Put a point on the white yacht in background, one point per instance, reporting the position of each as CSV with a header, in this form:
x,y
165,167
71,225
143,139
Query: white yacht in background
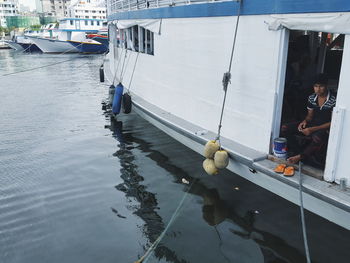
x,y
177,53
24,42
69,29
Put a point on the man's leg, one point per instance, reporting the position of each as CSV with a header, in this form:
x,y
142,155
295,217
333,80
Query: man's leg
x,y
319,139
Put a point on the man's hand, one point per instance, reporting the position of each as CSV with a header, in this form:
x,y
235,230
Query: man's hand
x,y
307,131
302,125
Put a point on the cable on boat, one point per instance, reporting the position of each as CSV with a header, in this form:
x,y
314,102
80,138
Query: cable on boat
x,y
146,256
116,71
306,246
133,71
122,73
27,48
216,157
45,66
227,75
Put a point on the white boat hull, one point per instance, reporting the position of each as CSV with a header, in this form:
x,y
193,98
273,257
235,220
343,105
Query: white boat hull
x,y
319,197
14,45
54,46
313,201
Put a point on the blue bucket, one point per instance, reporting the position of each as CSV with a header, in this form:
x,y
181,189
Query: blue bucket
x,y
280,148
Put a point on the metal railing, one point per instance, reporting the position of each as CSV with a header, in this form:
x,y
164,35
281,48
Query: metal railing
x,y
116,6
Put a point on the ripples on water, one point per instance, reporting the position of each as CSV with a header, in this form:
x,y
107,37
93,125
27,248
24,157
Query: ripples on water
x,y
78,187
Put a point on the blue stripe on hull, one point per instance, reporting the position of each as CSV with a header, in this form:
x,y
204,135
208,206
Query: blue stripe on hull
x,y
89,48
30,47
250,7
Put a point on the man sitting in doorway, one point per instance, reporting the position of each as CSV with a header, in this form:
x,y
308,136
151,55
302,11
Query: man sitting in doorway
x,y
316,124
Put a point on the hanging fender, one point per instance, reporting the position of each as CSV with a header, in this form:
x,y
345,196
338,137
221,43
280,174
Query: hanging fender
x,y
127,103
102,74
117,100
111,92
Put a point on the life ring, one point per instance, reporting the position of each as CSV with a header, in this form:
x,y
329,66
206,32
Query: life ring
x,y
127,103
117,100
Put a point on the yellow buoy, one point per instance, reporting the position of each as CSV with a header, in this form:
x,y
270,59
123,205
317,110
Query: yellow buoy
x,y
210,149
209,167
221,159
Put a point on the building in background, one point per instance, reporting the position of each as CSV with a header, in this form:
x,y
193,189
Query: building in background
x,y
8,8
58,8
38,6
87,9
22,21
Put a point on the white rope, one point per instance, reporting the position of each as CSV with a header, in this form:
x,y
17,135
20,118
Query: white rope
x,y
116,71
48,65
133,71
146,256
306,246
227,76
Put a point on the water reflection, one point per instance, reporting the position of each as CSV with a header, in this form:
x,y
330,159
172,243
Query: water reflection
x,y
215,211
132,188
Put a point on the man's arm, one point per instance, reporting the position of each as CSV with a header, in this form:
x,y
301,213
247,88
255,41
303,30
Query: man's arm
x,y
308,118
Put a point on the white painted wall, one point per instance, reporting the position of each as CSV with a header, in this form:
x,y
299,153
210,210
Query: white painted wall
x,y
184,76
339,143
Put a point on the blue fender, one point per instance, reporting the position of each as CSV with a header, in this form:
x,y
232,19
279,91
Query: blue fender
x,y
117,100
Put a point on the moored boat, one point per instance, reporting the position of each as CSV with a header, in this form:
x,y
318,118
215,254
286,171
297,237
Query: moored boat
x,y
103,39
14,45
27,44
180,53
89,46
74,29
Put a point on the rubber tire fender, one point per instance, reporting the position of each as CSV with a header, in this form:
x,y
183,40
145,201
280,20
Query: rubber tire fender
x,y
127,104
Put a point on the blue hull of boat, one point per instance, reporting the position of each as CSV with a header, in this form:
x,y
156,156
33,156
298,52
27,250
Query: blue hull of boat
x,y
30,47
103,41
89,47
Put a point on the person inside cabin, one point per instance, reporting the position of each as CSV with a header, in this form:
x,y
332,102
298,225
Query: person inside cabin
x,y
315,126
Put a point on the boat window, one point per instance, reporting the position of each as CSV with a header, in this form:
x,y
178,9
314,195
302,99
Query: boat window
x,y
149,43
71,22
137,39
313,57
142,39
86,22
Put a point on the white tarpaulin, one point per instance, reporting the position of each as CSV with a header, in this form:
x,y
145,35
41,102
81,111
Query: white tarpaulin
x,y
327,22
152,25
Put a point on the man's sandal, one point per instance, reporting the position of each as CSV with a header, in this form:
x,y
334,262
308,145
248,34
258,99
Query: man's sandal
x,y
289,171
280,168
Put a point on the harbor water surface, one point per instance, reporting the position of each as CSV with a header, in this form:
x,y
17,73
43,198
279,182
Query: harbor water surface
x,y
76,186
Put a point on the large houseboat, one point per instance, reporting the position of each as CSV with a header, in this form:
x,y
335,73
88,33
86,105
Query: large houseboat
x,y
171,57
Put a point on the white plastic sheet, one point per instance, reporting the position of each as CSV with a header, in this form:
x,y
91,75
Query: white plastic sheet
x,y
327,22
153,25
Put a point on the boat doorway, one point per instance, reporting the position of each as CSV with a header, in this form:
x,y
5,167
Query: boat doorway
x,y
312,57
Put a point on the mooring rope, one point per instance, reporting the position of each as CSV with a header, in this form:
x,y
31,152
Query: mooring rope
x,y
133,71
306,246
45,66
116,71
27,48
227,75
146,256
122,73
49,65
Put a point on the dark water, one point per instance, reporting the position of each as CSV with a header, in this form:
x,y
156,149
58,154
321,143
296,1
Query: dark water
x,y
78,187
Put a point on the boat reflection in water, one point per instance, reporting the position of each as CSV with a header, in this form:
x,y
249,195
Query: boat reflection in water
x,y
228,226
